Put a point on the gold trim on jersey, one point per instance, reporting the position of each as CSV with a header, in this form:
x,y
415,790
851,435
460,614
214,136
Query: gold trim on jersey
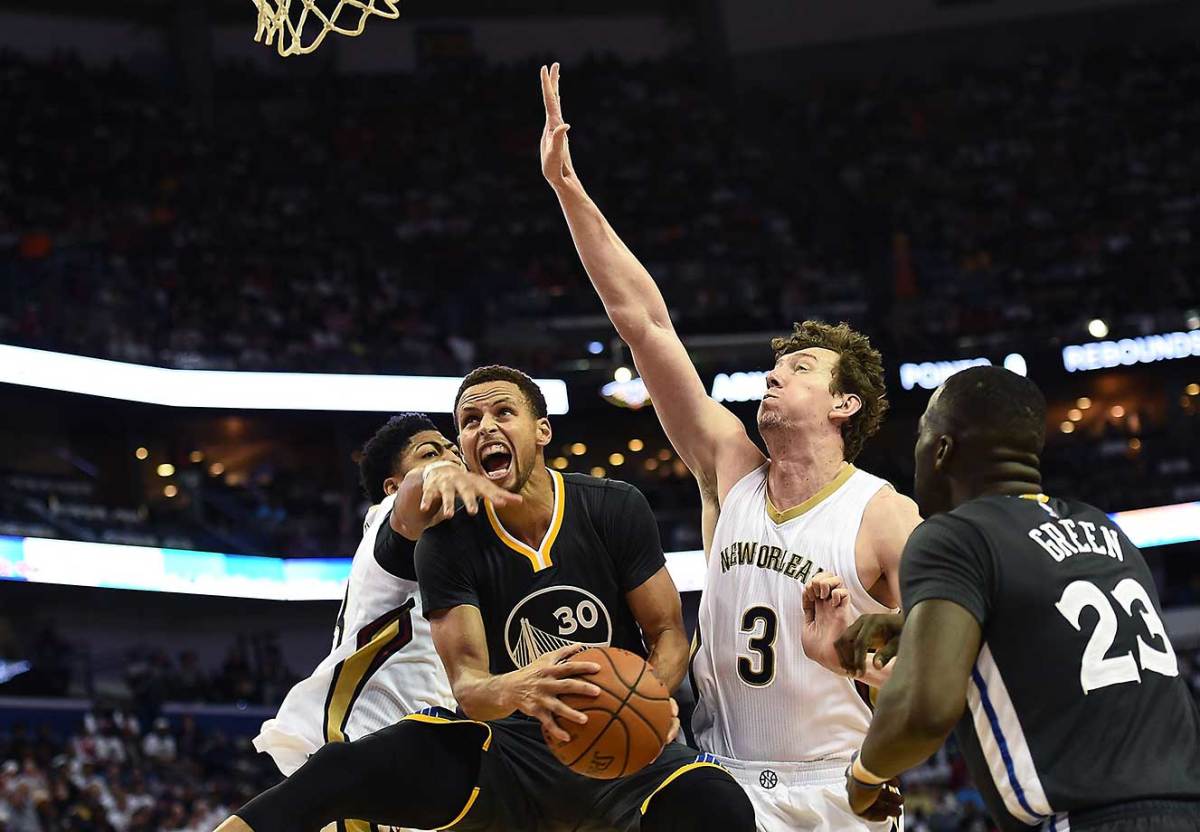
x,y
780,517
1040,498
679,772
538,558
352,673
430,719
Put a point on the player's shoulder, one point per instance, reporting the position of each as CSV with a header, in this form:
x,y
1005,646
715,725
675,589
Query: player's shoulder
x,y
452,529
597,487
958,528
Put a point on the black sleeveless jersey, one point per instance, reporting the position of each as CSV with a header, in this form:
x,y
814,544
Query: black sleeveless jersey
x,y
602,542
1075,701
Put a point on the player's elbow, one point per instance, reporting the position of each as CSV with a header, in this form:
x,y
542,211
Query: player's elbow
x,y
931,716
635,323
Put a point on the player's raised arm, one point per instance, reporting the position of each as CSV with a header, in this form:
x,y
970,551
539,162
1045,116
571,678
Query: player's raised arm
x,y
709,438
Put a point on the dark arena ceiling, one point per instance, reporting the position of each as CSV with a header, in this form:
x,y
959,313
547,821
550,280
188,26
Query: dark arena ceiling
x,y
231,11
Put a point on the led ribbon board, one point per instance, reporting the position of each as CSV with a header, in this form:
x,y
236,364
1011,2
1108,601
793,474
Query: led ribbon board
x,y
105,565
234,390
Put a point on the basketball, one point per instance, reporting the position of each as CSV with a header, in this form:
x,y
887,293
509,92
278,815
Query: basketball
x,y
628,723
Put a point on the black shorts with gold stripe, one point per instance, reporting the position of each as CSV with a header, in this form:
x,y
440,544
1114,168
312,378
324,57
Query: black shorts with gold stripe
x,y
522,785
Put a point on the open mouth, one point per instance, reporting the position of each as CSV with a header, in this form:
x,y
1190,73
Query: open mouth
x,y
496,461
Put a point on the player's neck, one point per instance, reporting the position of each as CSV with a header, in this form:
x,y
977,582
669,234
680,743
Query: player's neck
x,y
529,519
1007,473
800,471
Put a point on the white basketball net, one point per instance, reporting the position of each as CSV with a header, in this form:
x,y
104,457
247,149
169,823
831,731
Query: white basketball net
x,y
297,27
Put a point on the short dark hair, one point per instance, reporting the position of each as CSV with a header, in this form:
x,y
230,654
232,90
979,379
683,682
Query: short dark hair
x,y
859,371
997,403
381,453
498,372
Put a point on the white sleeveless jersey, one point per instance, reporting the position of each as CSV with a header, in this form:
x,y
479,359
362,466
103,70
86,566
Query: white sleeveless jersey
x,y
760,698
382,666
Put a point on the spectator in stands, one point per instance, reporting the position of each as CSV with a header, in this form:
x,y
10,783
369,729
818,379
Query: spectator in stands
x,y
159,745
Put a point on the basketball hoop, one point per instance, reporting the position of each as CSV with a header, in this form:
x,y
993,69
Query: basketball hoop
x,y
289,29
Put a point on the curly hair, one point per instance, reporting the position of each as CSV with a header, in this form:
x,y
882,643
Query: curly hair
x,y
381,454
859,371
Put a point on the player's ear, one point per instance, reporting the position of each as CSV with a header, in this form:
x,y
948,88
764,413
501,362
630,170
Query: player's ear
x,y
544,433
390,486
944,453
845,405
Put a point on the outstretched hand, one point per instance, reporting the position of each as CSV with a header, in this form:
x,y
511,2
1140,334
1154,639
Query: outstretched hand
x,y
443,487
556,152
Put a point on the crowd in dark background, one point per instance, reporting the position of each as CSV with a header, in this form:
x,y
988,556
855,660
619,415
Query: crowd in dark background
x,y
114,773
322,224
119,771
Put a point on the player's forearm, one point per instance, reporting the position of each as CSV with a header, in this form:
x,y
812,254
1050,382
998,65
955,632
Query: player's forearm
x,y
630,296
407,517
669,657
483,696
907,727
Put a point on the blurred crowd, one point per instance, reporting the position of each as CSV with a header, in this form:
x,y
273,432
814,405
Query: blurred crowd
x,y
115,774
121,772
357,224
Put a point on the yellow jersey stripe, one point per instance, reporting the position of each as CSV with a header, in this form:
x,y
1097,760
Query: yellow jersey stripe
x,y
778,517
538,558
674,775
349,675
467,808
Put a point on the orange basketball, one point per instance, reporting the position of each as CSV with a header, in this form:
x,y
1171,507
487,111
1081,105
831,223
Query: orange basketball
x,y
627,723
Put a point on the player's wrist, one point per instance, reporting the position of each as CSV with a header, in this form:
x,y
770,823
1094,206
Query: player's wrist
x,y
862,776
433,466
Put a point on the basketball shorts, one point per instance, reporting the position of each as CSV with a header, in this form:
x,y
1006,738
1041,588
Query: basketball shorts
x,y
522,785
801,796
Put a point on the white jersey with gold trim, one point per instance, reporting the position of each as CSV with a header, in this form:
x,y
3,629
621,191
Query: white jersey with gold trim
x,y
382,664
760,698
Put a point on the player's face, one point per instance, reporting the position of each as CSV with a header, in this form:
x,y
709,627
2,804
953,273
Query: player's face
x,y
500,434
931,486
798,391
425,447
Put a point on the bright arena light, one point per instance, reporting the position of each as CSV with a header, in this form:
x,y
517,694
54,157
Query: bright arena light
x,y
622,374
346,392
1097,328
105,565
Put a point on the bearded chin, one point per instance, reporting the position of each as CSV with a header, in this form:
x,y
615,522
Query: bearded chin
x,y
768,420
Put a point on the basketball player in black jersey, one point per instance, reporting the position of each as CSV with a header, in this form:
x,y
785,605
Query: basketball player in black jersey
x,y
511,593
1033,623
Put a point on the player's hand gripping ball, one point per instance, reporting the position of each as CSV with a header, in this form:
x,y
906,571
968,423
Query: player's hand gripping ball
x,y
628,723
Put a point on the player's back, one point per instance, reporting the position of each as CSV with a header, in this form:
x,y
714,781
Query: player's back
x,y
382,664
1075,701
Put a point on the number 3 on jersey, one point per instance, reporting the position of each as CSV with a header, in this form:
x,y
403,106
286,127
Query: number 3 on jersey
x,y
762,625
1096,670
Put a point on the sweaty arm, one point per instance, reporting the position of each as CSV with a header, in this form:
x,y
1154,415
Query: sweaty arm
x,y
708,437
947,581
926,695
887,523
630,533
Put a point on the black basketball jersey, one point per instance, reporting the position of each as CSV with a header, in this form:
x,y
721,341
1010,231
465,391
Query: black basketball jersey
x,y
602,543
1075,700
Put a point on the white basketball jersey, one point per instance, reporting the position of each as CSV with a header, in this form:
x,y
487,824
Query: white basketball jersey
x,y
760,698
382,666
